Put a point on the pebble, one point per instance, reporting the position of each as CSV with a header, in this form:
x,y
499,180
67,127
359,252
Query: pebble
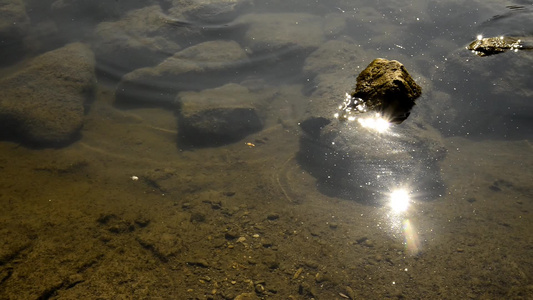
x,y
272,216
369,243
348,291
230,235
297,274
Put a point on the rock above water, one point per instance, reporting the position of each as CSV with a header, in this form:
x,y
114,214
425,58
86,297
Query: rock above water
x,y
205,65
43,103
217,116
356,159
386,87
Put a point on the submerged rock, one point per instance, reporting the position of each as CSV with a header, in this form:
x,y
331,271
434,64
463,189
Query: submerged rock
x,y
205,65
270,32
43,103
217,116
14,25
141,38
208,11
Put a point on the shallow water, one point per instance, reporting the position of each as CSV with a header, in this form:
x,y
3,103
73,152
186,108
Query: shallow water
x,y
141,201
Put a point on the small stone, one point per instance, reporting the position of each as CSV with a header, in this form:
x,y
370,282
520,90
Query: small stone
x,y
311,264
230,235
361,240
197,217
368,243
199,262
142,222
333,225
297,273
320,277
272,216
348,291
266,243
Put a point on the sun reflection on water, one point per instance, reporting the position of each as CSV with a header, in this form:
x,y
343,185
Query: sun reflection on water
x,y
399,204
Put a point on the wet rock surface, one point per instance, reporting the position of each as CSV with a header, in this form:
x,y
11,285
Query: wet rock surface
x,y
386,87
44,103
217,116
496,45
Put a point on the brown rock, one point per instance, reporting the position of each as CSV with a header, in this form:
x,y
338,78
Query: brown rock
x,y
44,102
386,86
217,116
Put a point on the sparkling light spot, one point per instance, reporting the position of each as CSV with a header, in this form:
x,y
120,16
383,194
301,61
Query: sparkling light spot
x,y
399,201
376,123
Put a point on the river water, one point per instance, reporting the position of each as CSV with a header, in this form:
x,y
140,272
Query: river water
x,y
159,150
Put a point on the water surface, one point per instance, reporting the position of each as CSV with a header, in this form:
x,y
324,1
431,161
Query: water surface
x,y
134,204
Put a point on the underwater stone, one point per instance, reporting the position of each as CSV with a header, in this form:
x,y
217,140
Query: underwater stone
x,y
201,66
14,26
44,103
217,116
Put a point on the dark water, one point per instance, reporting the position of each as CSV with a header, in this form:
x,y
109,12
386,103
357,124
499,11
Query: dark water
x,y
188,150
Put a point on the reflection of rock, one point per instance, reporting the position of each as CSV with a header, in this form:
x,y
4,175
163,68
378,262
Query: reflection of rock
x,y
386,87
142,38
14,25
44,102
282,31
217,116
201,66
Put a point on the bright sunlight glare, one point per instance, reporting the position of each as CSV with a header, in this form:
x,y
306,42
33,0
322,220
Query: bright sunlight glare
x,y
376,123
399,201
